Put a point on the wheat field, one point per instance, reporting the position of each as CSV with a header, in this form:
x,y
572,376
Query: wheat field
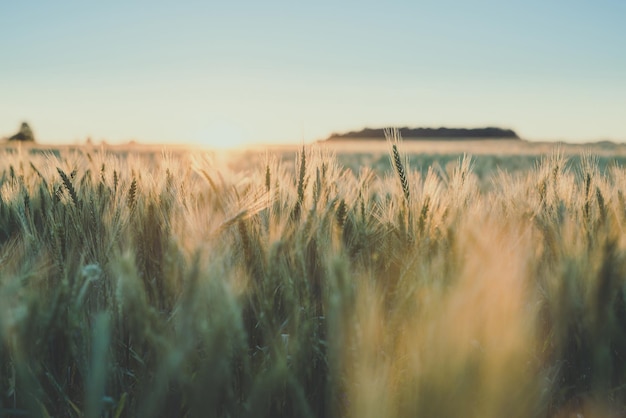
x,y
311,284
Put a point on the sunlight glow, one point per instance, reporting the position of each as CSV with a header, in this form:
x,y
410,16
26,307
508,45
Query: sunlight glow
x,y
222,135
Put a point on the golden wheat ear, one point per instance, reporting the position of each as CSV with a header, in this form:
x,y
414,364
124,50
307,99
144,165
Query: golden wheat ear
x,y
394,139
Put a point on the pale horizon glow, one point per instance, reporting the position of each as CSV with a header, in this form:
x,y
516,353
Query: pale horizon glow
x,y
248,72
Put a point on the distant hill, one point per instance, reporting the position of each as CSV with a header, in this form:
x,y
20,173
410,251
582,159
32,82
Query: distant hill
x,y
430,133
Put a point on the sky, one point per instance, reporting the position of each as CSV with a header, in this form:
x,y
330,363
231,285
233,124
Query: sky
x,y
244,72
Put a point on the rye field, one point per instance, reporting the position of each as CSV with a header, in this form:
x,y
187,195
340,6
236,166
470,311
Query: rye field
x,y
315,281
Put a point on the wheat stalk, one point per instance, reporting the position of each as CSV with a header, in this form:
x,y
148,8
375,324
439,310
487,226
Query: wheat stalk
x,y
132,194
301,185
69,186
394,138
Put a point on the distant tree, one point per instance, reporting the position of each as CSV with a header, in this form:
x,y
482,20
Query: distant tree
x,y
25,134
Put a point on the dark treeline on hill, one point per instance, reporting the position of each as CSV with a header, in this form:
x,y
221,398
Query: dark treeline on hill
x,y
443,133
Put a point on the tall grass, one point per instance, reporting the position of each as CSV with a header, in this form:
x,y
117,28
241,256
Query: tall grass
x,y
173,285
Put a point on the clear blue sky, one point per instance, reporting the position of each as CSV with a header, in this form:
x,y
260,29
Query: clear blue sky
x,y
280,71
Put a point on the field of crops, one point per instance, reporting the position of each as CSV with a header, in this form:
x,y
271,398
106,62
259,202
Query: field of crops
x,y
385,283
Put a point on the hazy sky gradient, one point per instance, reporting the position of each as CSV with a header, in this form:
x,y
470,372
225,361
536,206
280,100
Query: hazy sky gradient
x,y
281,71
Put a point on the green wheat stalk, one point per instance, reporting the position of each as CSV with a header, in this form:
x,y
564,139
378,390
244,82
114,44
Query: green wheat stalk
x,y
394,138
69,186
132,194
